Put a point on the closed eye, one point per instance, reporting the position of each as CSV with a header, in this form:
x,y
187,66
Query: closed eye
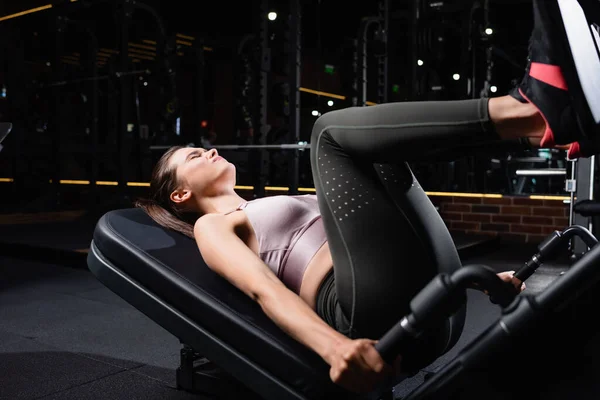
x,y
193,155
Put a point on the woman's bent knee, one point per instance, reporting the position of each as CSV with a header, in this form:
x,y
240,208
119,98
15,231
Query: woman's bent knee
x,y
319,126
329,119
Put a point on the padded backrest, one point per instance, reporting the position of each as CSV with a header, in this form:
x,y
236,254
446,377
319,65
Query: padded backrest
x,y
170,266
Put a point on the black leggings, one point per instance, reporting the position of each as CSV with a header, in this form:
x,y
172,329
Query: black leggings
x,y
359,161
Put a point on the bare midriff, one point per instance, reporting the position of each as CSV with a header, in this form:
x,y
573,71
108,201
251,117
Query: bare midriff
x,y
316,271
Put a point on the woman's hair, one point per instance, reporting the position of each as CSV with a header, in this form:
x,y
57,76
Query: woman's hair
x,y
158,204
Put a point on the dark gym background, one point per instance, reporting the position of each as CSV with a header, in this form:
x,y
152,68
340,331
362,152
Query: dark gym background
x,y
92,86
95,90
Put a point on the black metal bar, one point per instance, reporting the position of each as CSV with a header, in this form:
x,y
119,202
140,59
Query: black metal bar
x,y
382,62
441,298
473,41
581,277
13,50
552,245
295,64
349,72
489,52
57,111
533,322
137,138
261,128
362,64
414,45
165,49
594,192
363,59
92,78
161,43
129,93
584,191
125,11
91,66
93,146
200,103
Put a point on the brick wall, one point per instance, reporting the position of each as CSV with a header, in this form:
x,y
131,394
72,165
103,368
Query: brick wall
x,y
516,219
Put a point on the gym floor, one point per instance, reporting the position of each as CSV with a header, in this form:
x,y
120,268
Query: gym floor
x,y
63,335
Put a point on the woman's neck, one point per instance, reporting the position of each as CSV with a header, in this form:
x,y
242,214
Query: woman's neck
x,y
220,204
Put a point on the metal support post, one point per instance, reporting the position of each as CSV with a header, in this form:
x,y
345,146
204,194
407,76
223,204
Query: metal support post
x,y
261,129
57,111
363,60
571,188
382,61
415,21
125,12
92,63
165,51
200,103
362,64
14,50
353,100
584,191
294,63
489,60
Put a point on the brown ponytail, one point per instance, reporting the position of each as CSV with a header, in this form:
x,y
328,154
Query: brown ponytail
x,y
159,206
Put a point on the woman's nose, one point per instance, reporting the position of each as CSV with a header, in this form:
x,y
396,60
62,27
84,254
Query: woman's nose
x,y
212,153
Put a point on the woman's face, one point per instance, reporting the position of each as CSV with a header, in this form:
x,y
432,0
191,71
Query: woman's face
x,y
202,172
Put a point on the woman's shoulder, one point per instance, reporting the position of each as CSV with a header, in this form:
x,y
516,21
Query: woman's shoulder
x,y
222,227
283,198
230,220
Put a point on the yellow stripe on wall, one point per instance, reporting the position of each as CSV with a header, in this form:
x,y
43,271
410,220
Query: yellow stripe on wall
x,y
308,190
538,197
73,182
20,14
480,195
327,94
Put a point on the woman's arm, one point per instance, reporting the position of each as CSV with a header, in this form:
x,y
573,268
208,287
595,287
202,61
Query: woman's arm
x,y
226,254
